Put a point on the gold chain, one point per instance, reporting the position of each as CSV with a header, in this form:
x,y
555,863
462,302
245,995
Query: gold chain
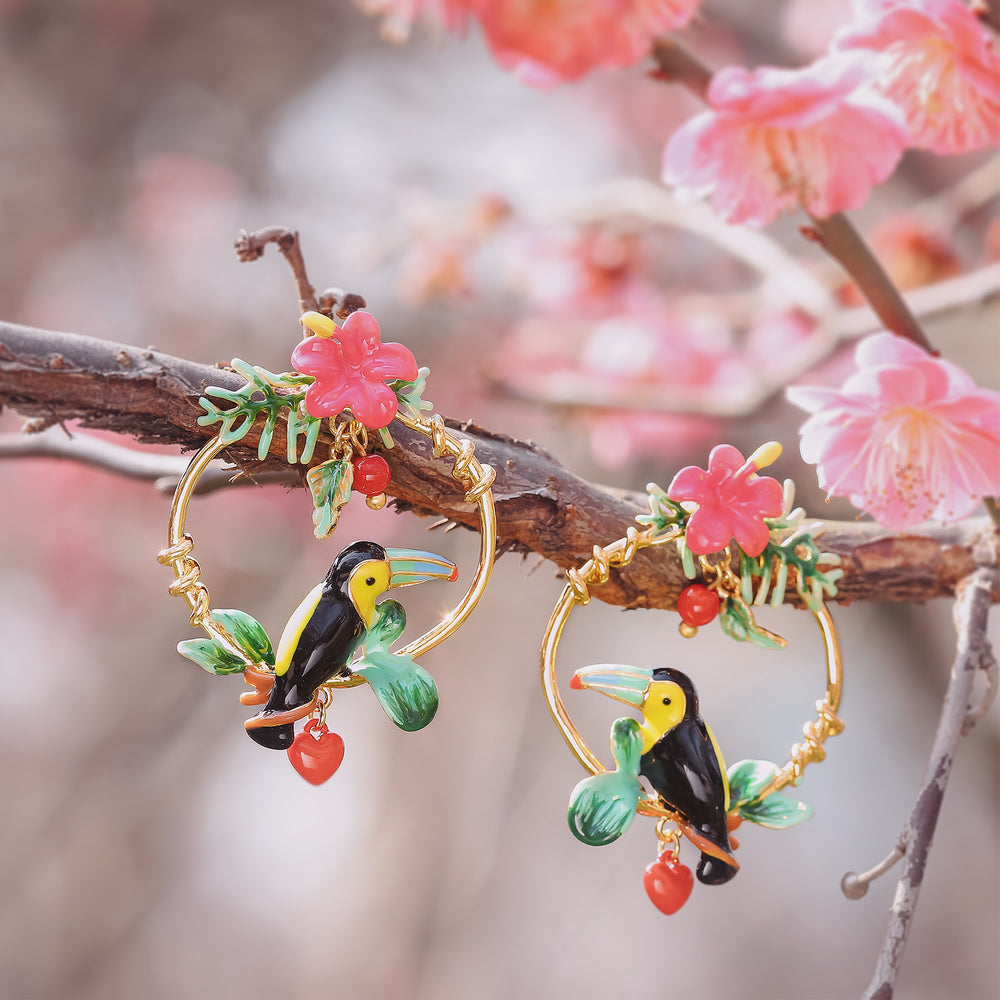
x,y
475,478
596,571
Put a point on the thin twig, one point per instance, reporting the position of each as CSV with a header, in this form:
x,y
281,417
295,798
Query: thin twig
x,y
842,241
163,470
677,64
579,389
633,196
988,11
854,886
973,653
939,211
250,246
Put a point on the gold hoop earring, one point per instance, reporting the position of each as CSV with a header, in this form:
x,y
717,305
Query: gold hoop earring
x,y
348,380
690,792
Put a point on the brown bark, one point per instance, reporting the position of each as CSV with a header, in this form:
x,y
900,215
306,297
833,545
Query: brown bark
x,y
541,506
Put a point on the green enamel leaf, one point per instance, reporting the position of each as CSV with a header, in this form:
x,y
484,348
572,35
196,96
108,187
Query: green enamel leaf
x,y
210,656
799,552
776,812
602,807
248,633
626,745
301,421
406,692
330,487
664,513
748,778
390,620
734,620
738,623
410,395
264,392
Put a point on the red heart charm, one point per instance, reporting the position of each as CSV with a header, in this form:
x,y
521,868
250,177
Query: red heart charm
x,y
668,883
316,753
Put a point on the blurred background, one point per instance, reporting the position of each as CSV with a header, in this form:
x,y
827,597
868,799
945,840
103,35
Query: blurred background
x,y
147,847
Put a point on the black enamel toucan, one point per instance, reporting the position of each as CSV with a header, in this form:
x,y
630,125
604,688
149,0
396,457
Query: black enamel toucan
x,y
326,628
680,758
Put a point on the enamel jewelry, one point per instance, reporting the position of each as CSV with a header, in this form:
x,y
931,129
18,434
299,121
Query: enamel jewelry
x,y
741,544
346,380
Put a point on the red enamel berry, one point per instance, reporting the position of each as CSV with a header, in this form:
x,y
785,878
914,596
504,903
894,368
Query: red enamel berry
x,y
668,883
371,474
697,605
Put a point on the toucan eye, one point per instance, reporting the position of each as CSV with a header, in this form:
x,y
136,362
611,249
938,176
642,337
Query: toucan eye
x,y
370,581
666,701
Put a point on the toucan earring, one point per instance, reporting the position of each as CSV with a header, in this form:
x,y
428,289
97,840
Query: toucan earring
x,y
348,380
740,542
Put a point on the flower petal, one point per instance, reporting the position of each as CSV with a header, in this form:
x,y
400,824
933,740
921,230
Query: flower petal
x,y
690,483
708,530
391,361
750,532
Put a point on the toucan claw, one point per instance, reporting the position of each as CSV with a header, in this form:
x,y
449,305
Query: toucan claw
x,y
262,681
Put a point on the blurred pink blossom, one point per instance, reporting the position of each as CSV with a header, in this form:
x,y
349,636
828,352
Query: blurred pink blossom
x,y
398,16
819,137
591,271
732,501
807,26
545,42
908,438
937,65
618,437
912,252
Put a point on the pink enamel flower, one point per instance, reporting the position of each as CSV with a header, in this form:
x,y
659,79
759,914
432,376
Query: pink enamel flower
x,y
545,42
775,139
351,367
908,438
937,65
732,500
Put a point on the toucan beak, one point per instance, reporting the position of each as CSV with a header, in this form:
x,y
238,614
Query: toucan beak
x,y
407,566
627,684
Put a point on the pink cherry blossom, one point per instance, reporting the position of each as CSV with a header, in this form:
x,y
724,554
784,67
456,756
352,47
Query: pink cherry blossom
x,y
351,368
732,501
937,65
545,42
398,16
908,438
819,137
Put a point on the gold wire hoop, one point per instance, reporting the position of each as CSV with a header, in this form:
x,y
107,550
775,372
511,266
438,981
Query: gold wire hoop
x,y
596,571
474,477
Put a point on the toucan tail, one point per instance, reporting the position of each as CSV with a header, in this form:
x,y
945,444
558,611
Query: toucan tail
x,y
272,727
713,871
273,737
717,863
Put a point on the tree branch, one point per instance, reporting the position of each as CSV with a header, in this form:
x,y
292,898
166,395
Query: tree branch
x,y
972,655
541,506
164,471
842,241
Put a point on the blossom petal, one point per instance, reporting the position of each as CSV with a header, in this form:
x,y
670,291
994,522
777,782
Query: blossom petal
x,y
908,437
819,137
